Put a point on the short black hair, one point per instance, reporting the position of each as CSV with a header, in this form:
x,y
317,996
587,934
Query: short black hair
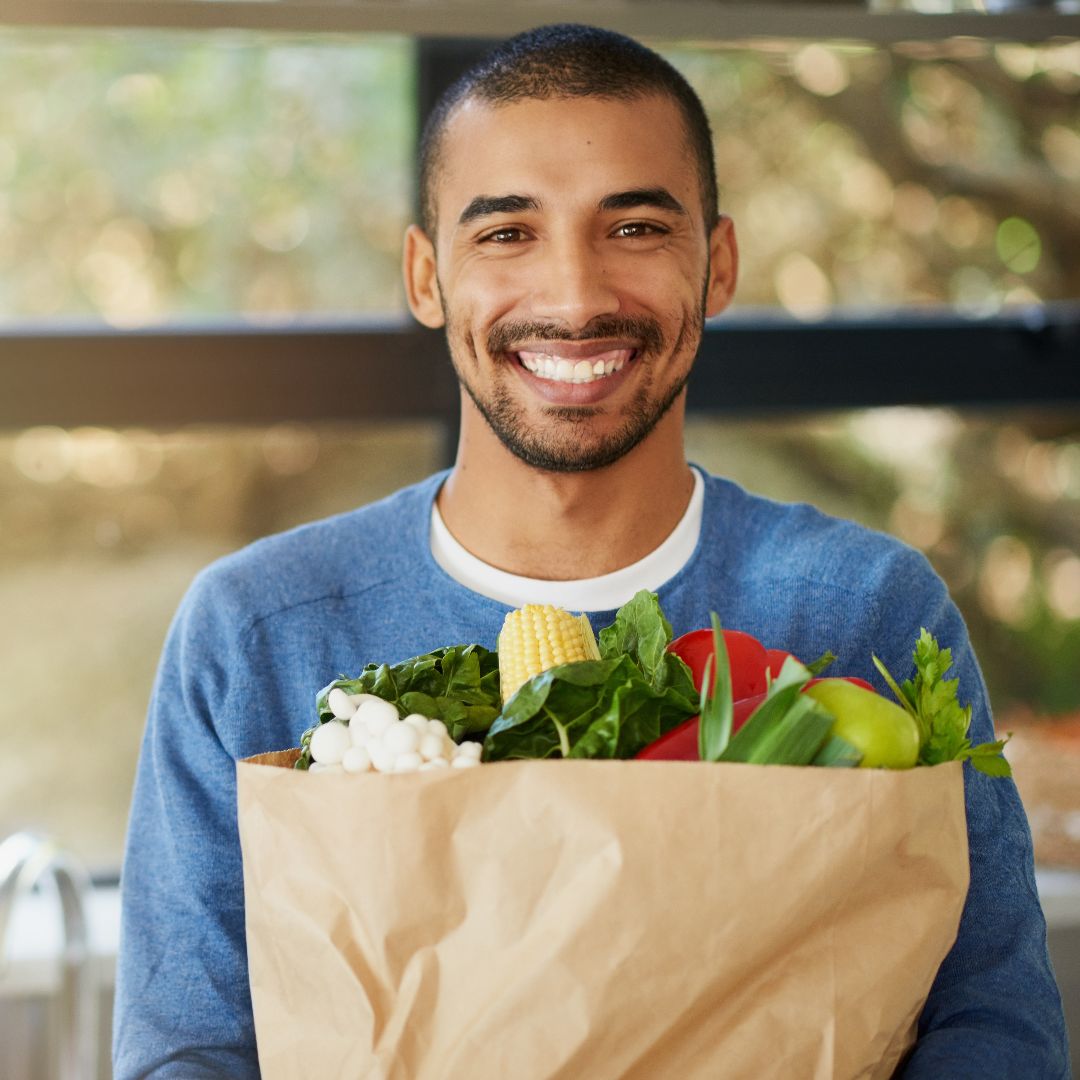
x,y
564,61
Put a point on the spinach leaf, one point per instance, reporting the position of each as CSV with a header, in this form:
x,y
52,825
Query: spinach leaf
x,y
641,631
591,709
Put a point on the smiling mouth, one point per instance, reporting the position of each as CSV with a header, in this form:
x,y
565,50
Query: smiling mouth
x,y
570,369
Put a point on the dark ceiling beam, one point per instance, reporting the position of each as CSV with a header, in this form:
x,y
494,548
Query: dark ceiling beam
x,y
245,375
224,374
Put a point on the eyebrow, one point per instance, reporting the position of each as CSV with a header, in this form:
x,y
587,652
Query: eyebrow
x,y
658,197
484,205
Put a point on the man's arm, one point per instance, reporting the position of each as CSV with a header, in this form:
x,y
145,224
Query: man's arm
x,y
994,1009
183,1006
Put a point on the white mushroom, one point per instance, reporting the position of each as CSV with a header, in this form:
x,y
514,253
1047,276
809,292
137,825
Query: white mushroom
x,y
469,750
359,699
401,739
377,715
432,745
356,760
329,742
382,760
340,704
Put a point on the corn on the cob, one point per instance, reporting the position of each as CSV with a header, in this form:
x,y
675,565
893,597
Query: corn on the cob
x,y
541,636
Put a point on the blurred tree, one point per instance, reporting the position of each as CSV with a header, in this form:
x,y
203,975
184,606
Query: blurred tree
x,y
149,177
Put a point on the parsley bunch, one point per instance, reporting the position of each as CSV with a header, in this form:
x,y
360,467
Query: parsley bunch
x,y
943,722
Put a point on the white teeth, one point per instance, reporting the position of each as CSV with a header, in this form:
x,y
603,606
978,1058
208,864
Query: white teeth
x,y
559,369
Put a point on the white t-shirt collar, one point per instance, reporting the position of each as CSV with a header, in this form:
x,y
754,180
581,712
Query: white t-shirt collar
x,y
604,593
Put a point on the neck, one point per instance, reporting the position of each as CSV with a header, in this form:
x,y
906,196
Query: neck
x,y
565,526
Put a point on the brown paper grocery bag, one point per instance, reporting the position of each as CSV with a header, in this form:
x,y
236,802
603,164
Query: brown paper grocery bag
x,y
596,919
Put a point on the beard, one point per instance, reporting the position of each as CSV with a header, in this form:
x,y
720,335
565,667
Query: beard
x,y
567,444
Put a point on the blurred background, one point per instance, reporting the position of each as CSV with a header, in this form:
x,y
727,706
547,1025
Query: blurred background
x,y
164,181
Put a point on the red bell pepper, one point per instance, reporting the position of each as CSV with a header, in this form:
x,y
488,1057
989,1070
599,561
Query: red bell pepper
x,y
776,658
747,656
681,743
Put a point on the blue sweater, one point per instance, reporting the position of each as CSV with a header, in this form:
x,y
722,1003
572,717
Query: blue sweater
x,y
261,631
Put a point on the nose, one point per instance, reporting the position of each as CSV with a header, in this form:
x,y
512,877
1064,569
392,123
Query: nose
x,y
572,285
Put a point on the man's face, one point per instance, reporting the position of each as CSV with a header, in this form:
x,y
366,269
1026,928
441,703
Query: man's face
x,y
571,268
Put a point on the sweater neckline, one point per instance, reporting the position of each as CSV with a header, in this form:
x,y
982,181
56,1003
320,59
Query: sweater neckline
x,y
676,556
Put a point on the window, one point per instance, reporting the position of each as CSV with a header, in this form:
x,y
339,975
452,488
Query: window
x,y
875,179
258,185
151,177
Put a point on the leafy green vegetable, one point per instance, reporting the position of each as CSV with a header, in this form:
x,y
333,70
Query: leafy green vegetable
x,y
717,707
825,660
607,708
590,709
943,722
787,728
303,762
641,631
459,684
792,732
838,753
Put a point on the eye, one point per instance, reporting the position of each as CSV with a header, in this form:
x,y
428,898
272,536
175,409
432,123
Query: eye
x,y
506,234
634,230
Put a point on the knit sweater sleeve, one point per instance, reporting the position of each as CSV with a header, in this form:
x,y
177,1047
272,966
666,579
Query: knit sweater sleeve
x,y
994,1008
183,1006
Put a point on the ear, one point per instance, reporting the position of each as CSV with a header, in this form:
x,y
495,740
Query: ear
x,y
421,280
723,266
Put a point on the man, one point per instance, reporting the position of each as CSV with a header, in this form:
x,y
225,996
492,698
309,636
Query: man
x,y
572,248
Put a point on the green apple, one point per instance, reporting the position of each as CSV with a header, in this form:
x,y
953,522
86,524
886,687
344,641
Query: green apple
x,y
885,733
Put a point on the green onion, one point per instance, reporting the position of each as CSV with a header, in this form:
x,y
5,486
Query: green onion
x,y
714,725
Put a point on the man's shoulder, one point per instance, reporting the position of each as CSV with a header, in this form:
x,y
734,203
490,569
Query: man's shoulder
x,y
332,557
807,581
764,539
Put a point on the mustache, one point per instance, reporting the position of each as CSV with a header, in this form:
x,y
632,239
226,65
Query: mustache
x,y
642,328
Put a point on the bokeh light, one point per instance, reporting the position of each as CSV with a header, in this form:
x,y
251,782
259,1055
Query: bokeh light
x,y
1018,245
1061,568
802,287
821,70
1005,580
290,449
43,454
